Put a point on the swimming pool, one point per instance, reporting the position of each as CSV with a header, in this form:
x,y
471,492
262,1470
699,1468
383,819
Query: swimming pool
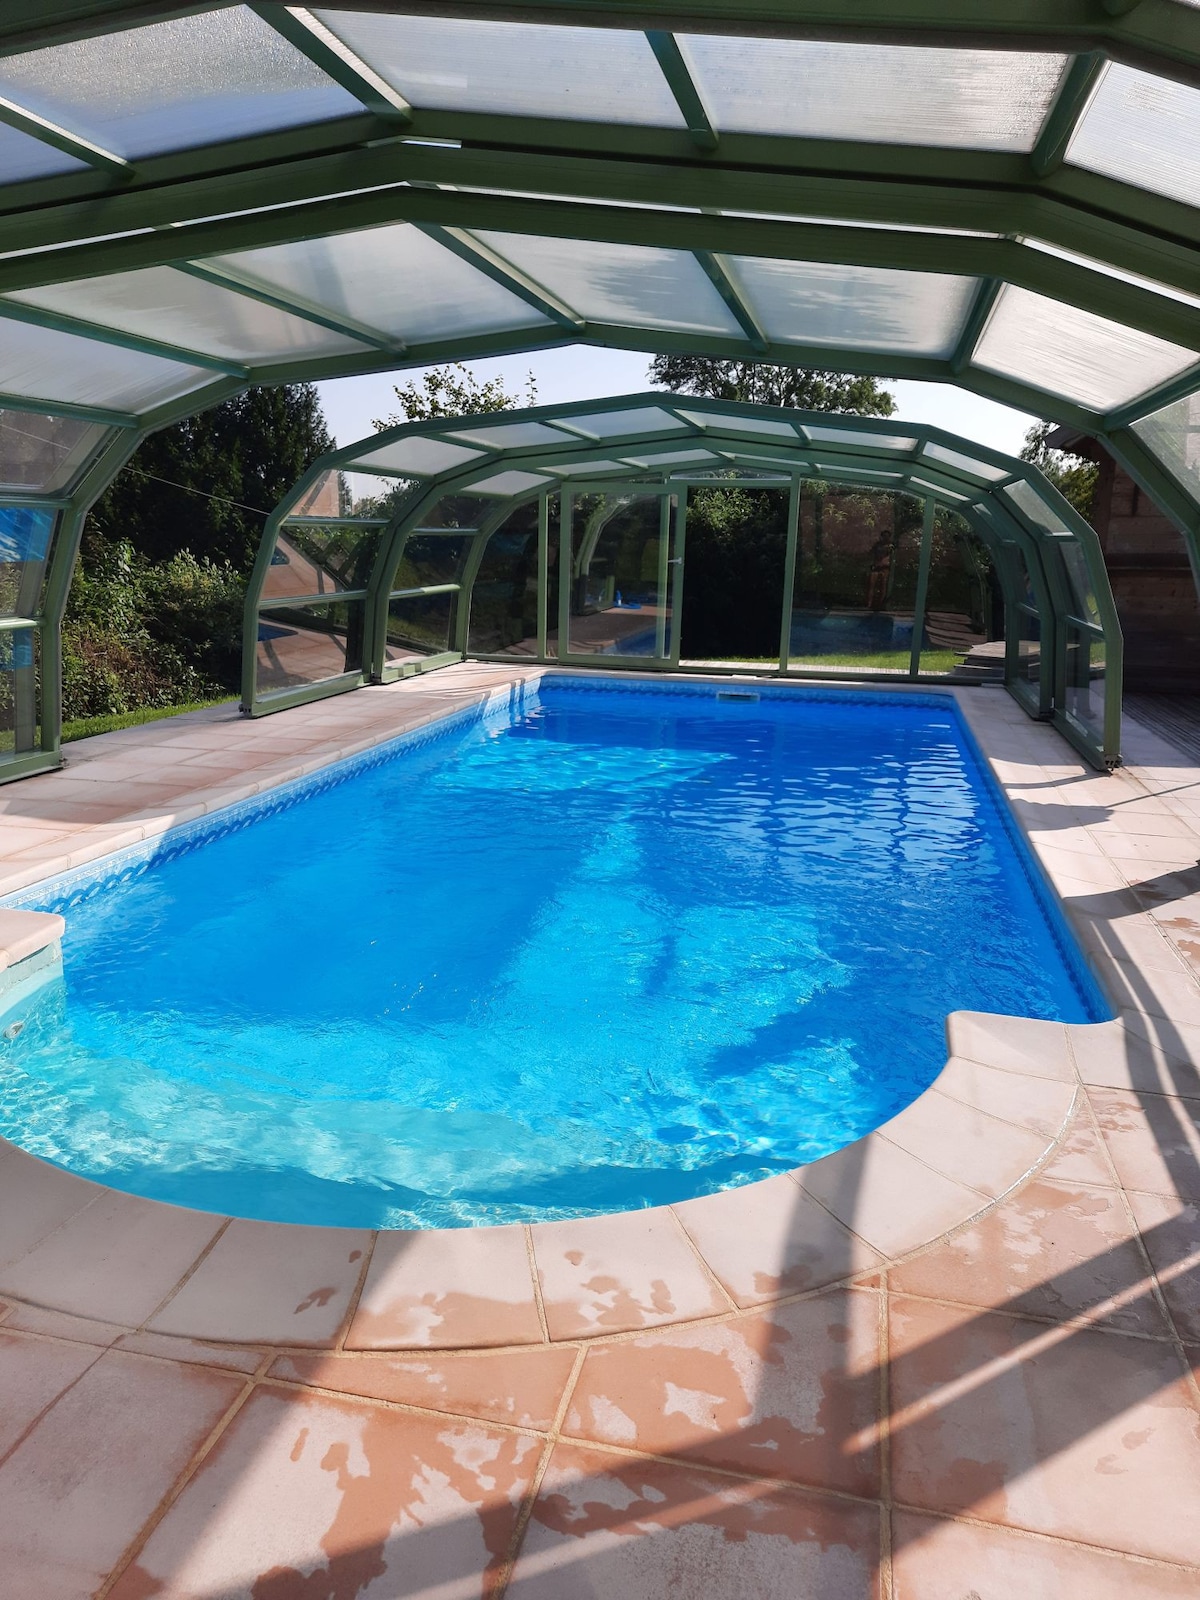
x,y
615,944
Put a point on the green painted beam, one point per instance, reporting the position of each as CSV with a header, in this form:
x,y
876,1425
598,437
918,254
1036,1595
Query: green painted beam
x,y
981,309
67,408
682,86
101,333
224,276
335,59
60,138
493,265
1072,99
719,276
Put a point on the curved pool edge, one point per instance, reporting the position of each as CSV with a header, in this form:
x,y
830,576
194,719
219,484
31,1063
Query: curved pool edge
x,y
131,1269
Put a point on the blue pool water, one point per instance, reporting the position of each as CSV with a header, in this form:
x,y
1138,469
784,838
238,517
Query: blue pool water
x,y
615,948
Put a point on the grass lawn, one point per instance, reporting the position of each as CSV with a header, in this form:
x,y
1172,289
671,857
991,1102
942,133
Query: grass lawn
x,y
85,727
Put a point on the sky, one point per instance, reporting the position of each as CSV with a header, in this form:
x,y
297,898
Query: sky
x,y
581,372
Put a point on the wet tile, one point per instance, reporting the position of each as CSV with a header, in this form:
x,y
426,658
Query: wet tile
x,y
887,1196
610,1526
269,1283
769,1239
1069,1432
33,1373
1040,1104
310,1494
790,1393
611,1274
934,1559
965,1143
1080,1157
115,1260
1014,1044
1154,1140
1170,1231
1051,1250
447,1289
522,1387
35,1198
225,1357
77,1490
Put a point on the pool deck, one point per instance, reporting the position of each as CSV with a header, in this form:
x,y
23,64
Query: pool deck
x,y
955,1361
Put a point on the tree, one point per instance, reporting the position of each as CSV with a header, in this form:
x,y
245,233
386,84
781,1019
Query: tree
x,y
1072,475
454,391
766,384
207,484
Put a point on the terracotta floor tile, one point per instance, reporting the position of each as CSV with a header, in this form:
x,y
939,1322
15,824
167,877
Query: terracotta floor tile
x,y
1170,1231
225,1357
61,1325
937,1560
311,1495
35,1198
1040,1104
449,1289
1080,1157
77,1490
1076,1433
266,1284
115,1260
33,1373
890,1198
965,1143
522,1387
1154,1140
769,1239
612,1274
606,1526
792,1392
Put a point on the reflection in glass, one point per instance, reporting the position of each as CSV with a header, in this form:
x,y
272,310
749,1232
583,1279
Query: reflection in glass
x,y
309,644
43,452
320,558
429,559
20,691
621,597
25,535
964,604
420,626
504,609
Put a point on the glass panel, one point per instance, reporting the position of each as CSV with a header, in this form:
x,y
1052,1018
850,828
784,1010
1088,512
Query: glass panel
x,y
47,365
395,279
1079,581
1144,130
1027,499
624,283
320,559
193,81
421,456
340,494
736,543
612,424
22,157
308,645
509,483
504,595
970,99
515,69
1085,682
1064,350
871,308
25,535
964,604
968,464
622,599
41,452
1173,434
429,558
160,303
465,511
20,691
420,626
856,579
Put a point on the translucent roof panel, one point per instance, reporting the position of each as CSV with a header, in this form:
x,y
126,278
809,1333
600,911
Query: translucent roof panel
x,y
43,453
1173,434
1025,496
611,424
970,99
716,419
969,464
867,308
511,436
162,303
1064,350
635,284
22,156
512,68
663,458
860,437
508,483
419,456
46,365
193,81
1144,130
396,279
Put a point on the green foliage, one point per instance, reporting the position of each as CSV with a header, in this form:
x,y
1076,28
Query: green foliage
x,y
765,384
1073,476
454,391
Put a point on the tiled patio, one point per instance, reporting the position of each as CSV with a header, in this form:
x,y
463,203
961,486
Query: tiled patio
x,y
956,1361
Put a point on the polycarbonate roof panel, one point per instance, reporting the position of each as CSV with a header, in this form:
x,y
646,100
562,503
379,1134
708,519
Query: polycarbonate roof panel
x,y
886,94
512,68
1144,130
938,489
1173,434
163,303
41,453
419,456
867,308
719,420
22,156
396,279
953,458
511,436
170,85
566,467
513,482
611,424
1027,499
860,437
663,458
1065,351
46,365
636,284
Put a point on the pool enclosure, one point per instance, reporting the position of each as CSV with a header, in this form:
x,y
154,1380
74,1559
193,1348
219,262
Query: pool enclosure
x,y
559,534
200,197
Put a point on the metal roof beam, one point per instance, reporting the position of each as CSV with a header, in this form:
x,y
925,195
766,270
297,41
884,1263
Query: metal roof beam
x,y
336,60
683,87
102,333
719,276
1075,93
226,277
60,138
494,266
977,316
